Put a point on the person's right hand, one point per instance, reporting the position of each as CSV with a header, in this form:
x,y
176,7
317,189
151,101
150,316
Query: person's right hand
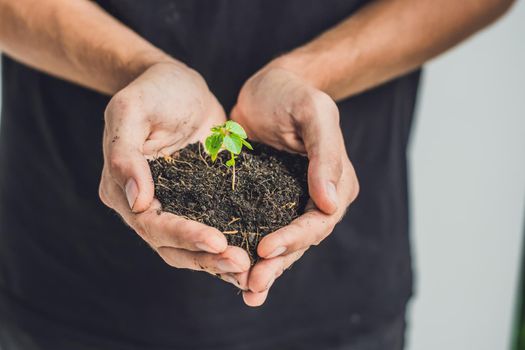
x,y
163,110
283,110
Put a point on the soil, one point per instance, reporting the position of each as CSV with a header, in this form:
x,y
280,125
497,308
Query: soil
x,y
270,191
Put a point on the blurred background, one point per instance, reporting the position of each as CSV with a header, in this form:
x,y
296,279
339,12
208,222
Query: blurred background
x,y
468,192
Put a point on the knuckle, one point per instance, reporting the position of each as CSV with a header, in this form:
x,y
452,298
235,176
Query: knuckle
x,y
304,107
325,104
116,161
312,103
121,103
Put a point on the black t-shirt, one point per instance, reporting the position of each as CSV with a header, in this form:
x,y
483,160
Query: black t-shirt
x,y
72,273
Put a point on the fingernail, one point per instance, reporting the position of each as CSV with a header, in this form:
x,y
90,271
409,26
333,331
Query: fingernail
x,y
227,265
132,192
278,251
230,279
332,193
205,247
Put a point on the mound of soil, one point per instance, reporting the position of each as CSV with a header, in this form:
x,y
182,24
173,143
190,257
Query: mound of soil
x,y
270,191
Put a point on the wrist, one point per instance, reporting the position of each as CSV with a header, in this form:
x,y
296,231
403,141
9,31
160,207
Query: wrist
x,y
325,67
302,63
138,64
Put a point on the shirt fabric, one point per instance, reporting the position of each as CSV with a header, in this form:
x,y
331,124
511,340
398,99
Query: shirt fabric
x,y
72,273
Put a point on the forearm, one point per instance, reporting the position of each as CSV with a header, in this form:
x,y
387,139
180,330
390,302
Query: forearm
x,y
386,39
75,40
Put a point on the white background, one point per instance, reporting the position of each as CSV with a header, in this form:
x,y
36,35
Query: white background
x,y
468,192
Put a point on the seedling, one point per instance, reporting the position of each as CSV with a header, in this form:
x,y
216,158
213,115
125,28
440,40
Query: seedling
x,y
229,136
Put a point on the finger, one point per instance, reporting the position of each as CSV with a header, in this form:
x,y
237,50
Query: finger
x,y
307,230
232,260
165,229
313,226
325,148
239,280
215,116
264,273
161,229
254,299
125,133
237,115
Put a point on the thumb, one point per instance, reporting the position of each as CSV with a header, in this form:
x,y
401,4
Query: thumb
x,y
235,113
326,150
237,116
126,162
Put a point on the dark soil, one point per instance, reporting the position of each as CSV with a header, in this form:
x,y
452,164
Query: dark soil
x,y
270,191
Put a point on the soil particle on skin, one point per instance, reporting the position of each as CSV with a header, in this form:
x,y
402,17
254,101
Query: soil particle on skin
x,y
270,191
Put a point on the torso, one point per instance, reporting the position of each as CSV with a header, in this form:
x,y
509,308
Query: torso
x,y
69,263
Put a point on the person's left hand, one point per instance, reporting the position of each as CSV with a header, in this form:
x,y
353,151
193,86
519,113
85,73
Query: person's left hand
x,y
282,110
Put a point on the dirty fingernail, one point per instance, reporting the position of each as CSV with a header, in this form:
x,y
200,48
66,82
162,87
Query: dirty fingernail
x,y
227,265
332,193
204,247
278,251
132,192
230,279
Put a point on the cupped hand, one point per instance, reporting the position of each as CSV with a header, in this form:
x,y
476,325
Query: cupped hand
x,y
279,108
164,109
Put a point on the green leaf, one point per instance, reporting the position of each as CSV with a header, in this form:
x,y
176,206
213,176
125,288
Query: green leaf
x,y
235,128
230,162
233,143
213,145
217,128
247,144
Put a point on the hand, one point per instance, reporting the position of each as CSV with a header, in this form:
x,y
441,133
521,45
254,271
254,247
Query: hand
x,y
163,110
277,107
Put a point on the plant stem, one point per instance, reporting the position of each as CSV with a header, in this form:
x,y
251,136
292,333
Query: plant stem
x,y
233,178
233,170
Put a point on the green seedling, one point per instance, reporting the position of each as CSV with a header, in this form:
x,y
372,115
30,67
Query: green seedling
x,y
231,137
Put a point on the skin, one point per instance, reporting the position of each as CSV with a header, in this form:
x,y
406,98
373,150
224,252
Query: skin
x,y
306,121
165,108
158,106
285,105
289,104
